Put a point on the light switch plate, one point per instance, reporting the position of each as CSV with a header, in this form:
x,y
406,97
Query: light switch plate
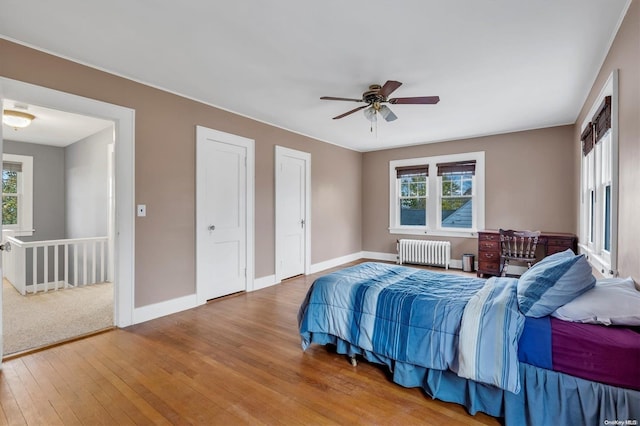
x,y
142,210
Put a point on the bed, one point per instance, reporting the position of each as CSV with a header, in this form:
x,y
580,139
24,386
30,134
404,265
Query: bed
x,y
466,340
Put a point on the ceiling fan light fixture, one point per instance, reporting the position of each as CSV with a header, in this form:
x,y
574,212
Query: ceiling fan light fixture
x,y
371,114
17,119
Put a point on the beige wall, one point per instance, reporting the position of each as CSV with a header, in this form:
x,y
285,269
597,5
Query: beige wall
x,y
624,55
165,173
528,176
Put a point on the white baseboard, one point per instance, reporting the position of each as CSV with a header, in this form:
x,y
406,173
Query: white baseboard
x,y
393,257
332,263
264,282
373,255
161,309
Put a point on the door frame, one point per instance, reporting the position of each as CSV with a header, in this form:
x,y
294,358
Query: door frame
x,y
280,153
202,134
124,220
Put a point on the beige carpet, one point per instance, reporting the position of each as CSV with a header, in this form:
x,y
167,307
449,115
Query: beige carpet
x,y
37,320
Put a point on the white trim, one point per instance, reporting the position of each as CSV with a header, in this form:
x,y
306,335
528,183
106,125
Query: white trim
x,y
281,152
372,255
387,257
264,282
204,133
606,263
438,233
124,120
332,263
433,195
161,309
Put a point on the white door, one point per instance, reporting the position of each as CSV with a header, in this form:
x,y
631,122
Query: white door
x,y
292,214
221,216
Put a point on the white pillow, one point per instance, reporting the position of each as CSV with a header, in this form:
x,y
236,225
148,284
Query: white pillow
x,y
613,301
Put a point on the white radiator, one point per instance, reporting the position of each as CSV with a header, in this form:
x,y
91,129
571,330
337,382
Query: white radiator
x,y
424,252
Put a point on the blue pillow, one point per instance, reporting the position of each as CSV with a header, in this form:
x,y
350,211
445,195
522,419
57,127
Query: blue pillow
x,y
549,285
555,256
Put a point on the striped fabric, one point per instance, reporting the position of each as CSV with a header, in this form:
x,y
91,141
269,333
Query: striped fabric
x,y
489,332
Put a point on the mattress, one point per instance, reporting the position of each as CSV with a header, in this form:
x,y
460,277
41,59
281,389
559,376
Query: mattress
x,y
605,354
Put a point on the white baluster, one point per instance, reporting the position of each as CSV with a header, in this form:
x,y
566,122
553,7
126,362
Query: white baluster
x,y
84,264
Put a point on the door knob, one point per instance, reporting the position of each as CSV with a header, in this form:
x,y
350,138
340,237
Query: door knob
x,y
6,246
211,228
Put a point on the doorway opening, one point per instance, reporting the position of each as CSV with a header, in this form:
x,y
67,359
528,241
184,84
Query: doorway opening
x,y
111,260
57,179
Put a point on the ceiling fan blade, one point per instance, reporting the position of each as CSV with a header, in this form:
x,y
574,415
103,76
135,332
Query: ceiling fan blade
x,y
350,112
332,98
389,87
416,100
387,114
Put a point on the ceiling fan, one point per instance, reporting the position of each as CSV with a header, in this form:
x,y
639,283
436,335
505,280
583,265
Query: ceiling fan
x,y
378,95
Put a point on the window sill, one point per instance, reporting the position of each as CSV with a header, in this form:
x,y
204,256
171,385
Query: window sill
x,y
18,232
597,262
467,233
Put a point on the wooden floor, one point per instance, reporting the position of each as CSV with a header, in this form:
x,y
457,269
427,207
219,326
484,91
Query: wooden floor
x,y
232,361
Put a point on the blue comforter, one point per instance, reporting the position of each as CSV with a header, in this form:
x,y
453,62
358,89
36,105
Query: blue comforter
x,y
406,314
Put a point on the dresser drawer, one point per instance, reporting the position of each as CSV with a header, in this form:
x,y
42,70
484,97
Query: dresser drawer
x,y
488,245
489,256
486,267
482,236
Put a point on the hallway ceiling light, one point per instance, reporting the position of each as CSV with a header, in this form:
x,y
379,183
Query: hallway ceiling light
x,y
17,119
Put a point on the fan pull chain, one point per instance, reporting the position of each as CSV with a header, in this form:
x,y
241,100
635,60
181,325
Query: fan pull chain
x,y
374,122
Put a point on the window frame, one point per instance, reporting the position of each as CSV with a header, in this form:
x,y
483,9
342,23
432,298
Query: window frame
x,y
599,170
24,227
434,196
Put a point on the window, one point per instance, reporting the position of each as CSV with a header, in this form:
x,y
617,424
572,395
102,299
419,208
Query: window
x,y
11,183
413,194
441,195
598,228
17,194
456,194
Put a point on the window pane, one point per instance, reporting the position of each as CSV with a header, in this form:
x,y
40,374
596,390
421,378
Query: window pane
x,y
457,212
9,210
607,218
413,211
413,192
404,188
446,188
456,184
467,186
9,182
592,219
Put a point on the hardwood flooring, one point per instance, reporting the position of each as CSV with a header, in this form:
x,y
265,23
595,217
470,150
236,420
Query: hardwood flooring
x,y
232,361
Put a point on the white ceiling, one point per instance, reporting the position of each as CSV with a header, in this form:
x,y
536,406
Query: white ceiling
x,y
51,127
498,65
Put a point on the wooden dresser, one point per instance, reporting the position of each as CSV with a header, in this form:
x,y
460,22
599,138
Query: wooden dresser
x,y
489,248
